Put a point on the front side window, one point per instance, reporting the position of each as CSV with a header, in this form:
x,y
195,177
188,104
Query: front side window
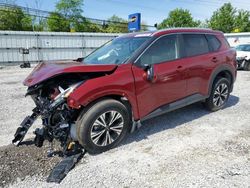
x,y
116,51
195,44
162,50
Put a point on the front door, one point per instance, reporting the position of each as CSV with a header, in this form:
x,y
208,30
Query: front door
x,y
169,82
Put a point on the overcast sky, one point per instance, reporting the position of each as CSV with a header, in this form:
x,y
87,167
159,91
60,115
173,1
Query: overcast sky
x,y
153,11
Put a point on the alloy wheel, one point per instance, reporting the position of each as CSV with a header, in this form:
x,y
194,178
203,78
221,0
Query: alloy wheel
x,y
220,95
107,128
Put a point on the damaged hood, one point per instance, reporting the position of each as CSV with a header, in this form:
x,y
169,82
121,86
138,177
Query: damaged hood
x,y
243,54
46,70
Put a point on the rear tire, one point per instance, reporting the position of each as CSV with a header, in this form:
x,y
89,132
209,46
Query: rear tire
x,y
102,126
219,94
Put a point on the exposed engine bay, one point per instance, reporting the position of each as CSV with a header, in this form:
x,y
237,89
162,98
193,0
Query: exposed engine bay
x,y
58,119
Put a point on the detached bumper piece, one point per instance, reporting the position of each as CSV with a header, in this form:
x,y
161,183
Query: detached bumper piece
x,y
62,168
242,63
72,151
24,127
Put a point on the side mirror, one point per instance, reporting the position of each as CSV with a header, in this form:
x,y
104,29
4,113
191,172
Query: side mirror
x,y
149,69
80,59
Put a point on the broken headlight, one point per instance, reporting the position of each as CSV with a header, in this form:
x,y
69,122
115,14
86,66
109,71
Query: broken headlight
x,y
60,98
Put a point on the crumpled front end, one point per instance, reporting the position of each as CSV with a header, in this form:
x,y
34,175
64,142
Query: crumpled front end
x,y
58,119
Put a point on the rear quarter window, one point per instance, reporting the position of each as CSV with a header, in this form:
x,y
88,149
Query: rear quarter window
x,y
213,43
195,44
226,42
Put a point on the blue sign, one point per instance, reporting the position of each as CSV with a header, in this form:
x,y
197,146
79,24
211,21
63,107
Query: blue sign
x,y
134,22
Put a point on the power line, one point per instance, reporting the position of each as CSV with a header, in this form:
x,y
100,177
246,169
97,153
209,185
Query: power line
x,y
54,18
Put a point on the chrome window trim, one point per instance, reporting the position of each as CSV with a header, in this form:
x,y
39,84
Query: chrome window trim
x,y
178,33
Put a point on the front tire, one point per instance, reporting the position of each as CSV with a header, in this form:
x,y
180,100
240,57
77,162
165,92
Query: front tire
x,y
219,94
103,126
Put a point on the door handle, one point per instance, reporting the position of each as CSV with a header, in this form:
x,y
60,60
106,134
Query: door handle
x,y
214,59
179,68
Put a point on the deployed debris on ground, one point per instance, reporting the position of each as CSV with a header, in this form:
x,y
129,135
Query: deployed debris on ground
x,y
29,160
25,160
62,168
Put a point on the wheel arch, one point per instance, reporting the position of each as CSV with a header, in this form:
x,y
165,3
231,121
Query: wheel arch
x,y
124,100
225,72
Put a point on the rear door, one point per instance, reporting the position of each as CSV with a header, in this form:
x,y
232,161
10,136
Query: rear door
x,y
169,84
198,62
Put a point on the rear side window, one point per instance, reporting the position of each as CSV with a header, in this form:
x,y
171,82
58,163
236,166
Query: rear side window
x,y
195,44
226,42
213,42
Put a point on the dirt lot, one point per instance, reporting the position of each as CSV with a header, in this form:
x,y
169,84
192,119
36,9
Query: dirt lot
x,y
190,147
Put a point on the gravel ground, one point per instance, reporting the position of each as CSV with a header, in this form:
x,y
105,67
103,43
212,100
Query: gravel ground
x,y
189,147
25,160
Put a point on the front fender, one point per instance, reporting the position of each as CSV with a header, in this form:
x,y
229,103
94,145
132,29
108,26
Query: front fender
x,y
120,83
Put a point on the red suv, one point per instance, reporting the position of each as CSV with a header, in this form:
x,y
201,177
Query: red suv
x,y
95,101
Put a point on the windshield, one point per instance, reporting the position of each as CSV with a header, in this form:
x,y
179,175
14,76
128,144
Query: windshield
x,y
116,51
243,48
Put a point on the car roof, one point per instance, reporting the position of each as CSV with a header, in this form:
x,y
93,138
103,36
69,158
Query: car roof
x,y
172,30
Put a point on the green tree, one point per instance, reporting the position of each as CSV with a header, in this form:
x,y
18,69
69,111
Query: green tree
x,y
242,21
116,25
68,14
26,23
56,22
179,18
92,27
223,19
84,25
14,19
70,8
40,25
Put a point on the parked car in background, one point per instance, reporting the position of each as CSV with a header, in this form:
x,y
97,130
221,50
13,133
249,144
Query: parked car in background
x,y
97,100
243,56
